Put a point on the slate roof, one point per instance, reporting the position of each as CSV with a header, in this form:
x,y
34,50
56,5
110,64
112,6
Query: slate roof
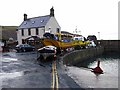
x,y
35,22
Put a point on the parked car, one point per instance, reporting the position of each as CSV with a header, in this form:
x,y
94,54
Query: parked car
x,y
92,44
24,48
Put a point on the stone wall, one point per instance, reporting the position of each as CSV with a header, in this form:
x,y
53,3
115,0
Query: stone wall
x,y
79,55
110,45
105,46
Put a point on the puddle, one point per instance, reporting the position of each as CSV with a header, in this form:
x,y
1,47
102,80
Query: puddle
x,y
10,75
8,59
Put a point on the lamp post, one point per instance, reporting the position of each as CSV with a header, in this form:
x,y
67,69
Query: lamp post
x,y
79,32
99,35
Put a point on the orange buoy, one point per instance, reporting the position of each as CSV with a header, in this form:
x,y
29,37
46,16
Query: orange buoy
x,y
97,69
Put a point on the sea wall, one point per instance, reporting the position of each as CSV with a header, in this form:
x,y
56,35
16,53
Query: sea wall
x,y
104,46
80,55
110,45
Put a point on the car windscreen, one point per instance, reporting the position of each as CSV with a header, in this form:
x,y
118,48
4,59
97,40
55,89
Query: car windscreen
x,y
26,45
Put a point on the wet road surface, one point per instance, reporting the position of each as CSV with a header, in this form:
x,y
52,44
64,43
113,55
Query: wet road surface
x,y
87,79
22,70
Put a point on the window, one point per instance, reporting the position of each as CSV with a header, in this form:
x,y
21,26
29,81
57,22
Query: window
x,y
25,23
33,22
58,30
37,31
43,30
22,31
23,41
42,21
29,32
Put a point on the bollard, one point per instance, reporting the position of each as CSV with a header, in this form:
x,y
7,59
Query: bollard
x,y
54,54
61,52
69,49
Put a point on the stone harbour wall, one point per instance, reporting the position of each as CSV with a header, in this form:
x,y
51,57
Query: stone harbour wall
x,y
110,45
80,55
103,46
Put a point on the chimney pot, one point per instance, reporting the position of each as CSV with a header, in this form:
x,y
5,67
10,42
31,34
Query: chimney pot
x,y
52,12
25,17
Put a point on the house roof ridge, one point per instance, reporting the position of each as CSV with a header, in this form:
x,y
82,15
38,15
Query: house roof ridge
x,y
38,17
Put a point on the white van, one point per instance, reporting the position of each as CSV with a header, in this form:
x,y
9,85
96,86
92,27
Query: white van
x,y
79,38
92,44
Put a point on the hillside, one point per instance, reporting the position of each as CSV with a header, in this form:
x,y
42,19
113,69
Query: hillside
x,y
8,32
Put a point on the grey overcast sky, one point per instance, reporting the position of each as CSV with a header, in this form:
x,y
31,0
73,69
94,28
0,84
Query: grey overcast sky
x,y
89,16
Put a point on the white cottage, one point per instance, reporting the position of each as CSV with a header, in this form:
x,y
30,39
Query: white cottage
x,y
37,26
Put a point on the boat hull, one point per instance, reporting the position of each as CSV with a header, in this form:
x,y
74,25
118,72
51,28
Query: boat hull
x,y
60,44
45,52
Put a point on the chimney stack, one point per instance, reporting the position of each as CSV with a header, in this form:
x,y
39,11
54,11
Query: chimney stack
x,y
52,12
25,17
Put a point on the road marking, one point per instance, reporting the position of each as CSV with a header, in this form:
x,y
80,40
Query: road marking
x,y
54,82
56,74
53,77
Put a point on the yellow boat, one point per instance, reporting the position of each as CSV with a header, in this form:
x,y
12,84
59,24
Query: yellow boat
x,y
56,43
62,45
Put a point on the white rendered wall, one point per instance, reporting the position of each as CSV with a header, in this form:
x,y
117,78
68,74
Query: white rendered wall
x,y
52,25
0,32
33,32
19,37
41,32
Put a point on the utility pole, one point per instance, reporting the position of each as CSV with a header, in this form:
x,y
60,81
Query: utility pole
x,y
99,35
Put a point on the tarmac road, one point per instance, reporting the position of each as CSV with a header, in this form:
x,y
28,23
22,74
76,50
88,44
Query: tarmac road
x,y
22,70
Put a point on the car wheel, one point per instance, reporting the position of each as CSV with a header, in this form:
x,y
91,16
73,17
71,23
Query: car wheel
x,y
23,50
33,49
19,50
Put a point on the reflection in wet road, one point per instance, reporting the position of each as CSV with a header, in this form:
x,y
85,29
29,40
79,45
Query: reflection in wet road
x,y
85,78
54,81
22,70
